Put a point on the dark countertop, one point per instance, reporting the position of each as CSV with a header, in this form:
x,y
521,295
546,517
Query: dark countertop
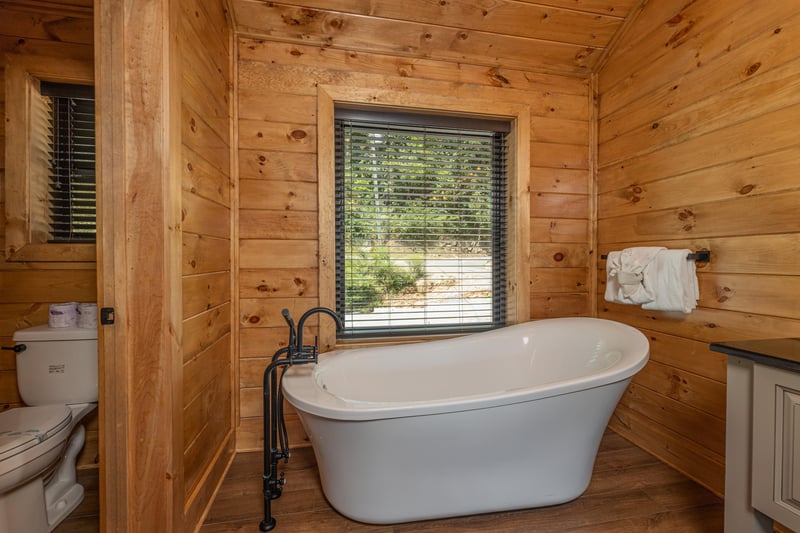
x,y
781,353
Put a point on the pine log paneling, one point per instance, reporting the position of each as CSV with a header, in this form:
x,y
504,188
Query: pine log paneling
x,y
207,207
404,67
278,79
698,149
28,288
405,37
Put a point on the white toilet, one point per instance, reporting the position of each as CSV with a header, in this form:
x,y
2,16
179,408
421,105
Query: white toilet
x,y
57,378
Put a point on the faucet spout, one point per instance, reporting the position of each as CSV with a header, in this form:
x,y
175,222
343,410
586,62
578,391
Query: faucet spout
x,y
313,311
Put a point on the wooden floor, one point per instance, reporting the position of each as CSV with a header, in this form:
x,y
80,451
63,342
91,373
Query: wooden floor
x,y
631,491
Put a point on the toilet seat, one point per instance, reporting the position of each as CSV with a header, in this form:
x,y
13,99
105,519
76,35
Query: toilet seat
x,y
25,454
25,427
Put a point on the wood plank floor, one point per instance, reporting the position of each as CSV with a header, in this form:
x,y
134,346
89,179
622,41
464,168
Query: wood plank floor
x,y
631,491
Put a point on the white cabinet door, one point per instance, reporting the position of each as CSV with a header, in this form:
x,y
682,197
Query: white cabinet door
x,y
776,444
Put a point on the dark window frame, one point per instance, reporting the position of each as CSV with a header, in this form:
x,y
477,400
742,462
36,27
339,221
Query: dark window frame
x,y
499,130
72,181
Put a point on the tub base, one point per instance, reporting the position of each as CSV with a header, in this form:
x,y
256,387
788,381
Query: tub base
x,y
518,456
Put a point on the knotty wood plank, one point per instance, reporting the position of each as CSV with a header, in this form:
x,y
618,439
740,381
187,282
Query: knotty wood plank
x,y
764,134
535,21
201,178
551,155
690,389
280,282
274,165
553,305
776,213
250,435
202,292
278,225
205,329
272,106
697,462
269,253
690,35
263,342
203,254
687,355
210,407
761,174
761,294
202,86
562,180
557,205
668,113
199,455
207,136
558,130
272,195
706,325
304,80
199,501
559,230
207,366
764,254
251,371
204,217
386,65
278,136
30,286
42,47
46,26
559,279
260,312
559,255
340,30
619,8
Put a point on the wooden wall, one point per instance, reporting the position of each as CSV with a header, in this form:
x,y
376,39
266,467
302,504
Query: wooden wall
x,y
166,212
699,148
28,288
277,147
204,41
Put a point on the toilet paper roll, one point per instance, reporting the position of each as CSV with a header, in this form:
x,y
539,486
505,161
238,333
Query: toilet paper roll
x,y
87,315
63,315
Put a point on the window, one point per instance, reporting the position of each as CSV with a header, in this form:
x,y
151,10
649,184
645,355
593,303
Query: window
x,y
50,178
70,146
421,222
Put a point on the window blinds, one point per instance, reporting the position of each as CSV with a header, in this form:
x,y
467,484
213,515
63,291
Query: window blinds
x,y
71,191
420,225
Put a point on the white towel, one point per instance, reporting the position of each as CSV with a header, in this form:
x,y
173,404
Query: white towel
x,y
675,285
630,275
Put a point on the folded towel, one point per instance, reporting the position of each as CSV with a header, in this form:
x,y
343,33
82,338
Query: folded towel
x,y
630,275
675,284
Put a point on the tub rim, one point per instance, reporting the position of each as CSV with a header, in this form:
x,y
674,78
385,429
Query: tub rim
x,y
300,386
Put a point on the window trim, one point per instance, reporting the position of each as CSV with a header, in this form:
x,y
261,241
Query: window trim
x,y
518,167
21,71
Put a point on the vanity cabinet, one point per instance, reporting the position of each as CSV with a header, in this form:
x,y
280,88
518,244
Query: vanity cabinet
x,y
776,444
762,443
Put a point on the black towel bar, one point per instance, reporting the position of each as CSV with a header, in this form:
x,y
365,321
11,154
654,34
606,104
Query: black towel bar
x,y
701,256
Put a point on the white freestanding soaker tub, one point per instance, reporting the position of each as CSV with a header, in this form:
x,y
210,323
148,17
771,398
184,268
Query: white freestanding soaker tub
x,y
506,419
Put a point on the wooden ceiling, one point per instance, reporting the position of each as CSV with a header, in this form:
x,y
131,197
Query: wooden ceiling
x,y
67,8
563,36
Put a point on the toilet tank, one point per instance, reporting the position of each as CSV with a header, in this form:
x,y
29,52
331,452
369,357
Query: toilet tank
x,y
58,365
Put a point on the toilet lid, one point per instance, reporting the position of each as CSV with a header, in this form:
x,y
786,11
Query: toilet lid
x,y
25,427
